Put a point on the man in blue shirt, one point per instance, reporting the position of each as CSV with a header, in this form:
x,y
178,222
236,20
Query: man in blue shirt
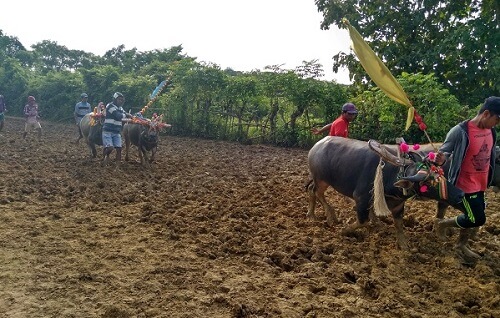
x,y
81,109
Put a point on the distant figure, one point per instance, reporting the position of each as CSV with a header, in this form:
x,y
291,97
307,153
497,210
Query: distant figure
x,y
101,109
340,127
3,109
32,118
81,109
112,128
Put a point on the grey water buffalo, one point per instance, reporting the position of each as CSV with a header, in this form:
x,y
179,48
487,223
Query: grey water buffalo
x,y
144,136
91,128
350,167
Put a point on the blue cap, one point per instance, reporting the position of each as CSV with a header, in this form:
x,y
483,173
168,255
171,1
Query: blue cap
x,y
349,108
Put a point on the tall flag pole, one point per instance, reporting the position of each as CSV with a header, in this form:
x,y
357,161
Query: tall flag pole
x,y
380,74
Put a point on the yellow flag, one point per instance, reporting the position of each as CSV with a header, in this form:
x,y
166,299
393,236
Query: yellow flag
x,y
378,72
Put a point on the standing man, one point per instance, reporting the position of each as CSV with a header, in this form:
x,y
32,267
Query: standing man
x,y
340,127
3,109
472,144
112,128
32,118
81,109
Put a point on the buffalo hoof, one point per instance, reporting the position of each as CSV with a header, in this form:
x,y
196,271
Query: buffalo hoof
x,y
331,221
403,244
350,229
312,216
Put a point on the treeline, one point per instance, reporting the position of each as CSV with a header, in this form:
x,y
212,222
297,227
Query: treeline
x,y
274,106
457,41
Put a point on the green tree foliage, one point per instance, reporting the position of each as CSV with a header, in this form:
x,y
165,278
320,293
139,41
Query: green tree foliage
x,y
99,82
50,56
57,93
457,41
383,119
10,45
243,98
275,106
13,84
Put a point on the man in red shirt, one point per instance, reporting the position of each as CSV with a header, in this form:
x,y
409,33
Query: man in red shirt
x,y
340,127
472,144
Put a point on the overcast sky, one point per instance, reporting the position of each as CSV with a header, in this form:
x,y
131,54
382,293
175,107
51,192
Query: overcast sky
x,y
240,34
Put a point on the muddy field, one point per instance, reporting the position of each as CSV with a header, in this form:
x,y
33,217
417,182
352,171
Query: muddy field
x,y
213,229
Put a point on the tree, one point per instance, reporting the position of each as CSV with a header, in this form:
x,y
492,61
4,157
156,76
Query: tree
x,y
10,45
383,119
99,82
458,41
13,84
310,69
57,92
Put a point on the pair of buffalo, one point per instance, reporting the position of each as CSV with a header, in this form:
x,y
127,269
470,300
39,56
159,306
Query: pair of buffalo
x,y
144,136
350,167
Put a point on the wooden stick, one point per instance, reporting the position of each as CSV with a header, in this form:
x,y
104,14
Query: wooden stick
x,y
430,141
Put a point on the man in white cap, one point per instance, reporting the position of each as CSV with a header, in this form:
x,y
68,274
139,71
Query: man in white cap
x,y
340,126
112,128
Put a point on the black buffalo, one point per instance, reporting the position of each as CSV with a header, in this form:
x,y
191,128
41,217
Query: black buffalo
x,y
144,136
91,128
350,166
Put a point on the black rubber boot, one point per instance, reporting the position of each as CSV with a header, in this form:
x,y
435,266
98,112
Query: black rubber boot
x,y
462,247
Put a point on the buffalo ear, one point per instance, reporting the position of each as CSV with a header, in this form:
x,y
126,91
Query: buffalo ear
x,y
405,184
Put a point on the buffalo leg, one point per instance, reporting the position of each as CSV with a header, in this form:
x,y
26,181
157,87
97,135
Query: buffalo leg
x,y
127,146
317,190
93,151
441,211
147,161
362,216
312,201
153,152
141,155
397,214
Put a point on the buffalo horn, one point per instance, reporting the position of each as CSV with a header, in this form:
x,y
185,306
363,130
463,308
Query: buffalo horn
x,y
384,153
421,175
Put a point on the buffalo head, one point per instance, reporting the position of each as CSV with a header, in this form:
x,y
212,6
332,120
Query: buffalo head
x,y
420,176
149,137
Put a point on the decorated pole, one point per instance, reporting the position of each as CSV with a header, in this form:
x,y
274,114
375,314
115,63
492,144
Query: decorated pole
x,y
382,77
156,122
154,95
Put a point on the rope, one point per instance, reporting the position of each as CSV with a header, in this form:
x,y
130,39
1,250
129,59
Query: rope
x,y
379,203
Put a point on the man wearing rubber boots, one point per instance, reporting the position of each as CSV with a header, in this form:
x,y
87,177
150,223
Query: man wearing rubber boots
x,y
472,144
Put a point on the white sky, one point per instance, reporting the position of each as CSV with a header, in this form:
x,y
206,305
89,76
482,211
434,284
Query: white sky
x,y
240,34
